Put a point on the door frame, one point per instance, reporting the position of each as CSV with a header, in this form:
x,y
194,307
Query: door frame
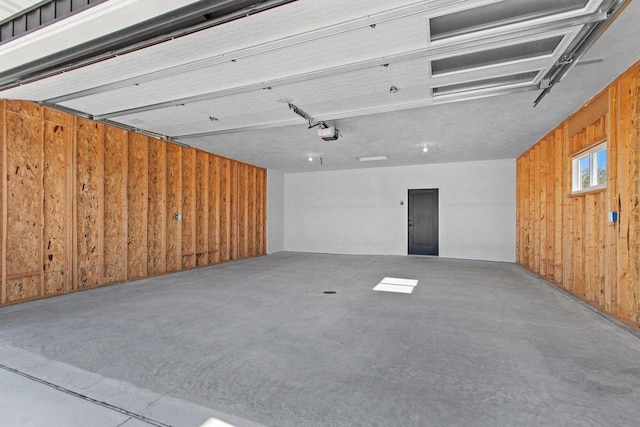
x,y
408,212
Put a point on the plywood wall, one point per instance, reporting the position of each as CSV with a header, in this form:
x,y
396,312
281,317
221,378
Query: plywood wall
x,y
84,205
567,238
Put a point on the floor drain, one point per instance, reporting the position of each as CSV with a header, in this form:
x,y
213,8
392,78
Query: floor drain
x,y
329,292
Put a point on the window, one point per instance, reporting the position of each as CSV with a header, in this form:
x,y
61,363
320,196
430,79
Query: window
x,y
589,169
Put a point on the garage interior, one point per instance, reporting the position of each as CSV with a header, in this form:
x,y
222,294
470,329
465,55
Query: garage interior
x,y
245,173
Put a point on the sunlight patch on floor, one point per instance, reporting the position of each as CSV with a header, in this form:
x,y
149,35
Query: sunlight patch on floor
x,y
394,284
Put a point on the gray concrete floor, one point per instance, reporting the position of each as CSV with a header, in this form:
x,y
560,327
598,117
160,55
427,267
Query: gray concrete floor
x,y
256,342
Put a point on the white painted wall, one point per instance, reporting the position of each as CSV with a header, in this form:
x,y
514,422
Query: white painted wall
x,y
359,211
275,211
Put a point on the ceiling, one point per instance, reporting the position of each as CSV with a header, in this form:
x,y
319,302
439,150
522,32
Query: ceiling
x,y
11,7
466,72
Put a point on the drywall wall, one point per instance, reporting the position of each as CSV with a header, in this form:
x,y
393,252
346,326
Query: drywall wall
x,y
568,238
364,211
85,204
275,211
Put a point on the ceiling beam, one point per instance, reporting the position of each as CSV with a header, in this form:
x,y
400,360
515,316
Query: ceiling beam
x,y
445,99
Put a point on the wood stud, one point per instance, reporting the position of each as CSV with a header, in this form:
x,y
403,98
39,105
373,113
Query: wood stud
x,y
202,208
85,205
188,208
3,203
116,153
157,208
138,204
89,179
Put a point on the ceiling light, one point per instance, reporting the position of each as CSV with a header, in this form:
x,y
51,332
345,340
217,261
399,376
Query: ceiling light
x,y
311,158
393,89
425,149
371,158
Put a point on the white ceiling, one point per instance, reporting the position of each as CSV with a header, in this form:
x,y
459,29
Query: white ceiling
x,y
337,60
11,7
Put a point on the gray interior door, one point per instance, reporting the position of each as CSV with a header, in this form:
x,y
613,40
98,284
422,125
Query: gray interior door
x,y
423,222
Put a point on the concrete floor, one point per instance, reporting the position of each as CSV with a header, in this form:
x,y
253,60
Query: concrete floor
x,y
256,342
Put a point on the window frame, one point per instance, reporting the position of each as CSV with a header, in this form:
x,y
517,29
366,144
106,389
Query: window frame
x,y
591,153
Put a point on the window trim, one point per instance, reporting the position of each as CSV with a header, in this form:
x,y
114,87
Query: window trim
x,y
575,171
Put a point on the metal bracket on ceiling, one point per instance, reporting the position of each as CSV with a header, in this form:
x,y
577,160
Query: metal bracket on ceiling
x,y
572,57
302,114
565,60
312,123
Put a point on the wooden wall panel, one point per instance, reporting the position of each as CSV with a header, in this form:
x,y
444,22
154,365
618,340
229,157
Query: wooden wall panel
x,y
610,280
261,243
23,287
600,251
592,111
590,243
234,201
243,209
116,159
24,199
3,205
224,198
157,205
578,215
542,226
634,211
587,255
559,200
521,209
58,137
138,204
89,162
188,208
536,182
174,207
252,248
84,204
532,217
214,209
627,176
202,208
